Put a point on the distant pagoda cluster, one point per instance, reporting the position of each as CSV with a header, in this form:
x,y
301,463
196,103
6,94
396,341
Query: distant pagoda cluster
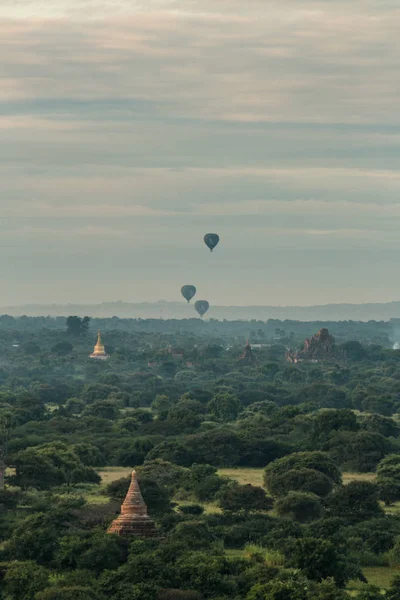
x,y
133,519
320,347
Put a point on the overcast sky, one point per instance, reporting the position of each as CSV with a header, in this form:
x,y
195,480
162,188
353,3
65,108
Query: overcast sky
x,y
129,129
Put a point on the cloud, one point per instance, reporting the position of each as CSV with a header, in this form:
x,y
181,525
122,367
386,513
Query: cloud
x,y
307,64
129,124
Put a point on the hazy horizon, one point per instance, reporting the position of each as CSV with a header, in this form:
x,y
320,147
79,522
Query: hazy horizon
x,y
130,129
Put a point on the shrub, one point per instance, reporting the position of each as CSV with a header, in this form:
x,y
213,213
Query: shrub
x,y
300,480
299,506
244,497
191,509
179,595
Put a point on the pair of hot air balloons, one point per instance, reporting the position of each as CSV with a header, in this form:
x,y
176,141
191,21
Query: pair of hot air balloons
x,y
189,291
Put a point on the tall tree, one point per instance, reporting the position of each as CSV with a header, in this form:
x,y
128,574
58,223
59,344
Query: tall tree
x,y
77,325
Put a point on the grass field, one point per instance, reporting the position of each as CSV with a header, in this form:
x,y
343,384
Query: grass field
x,y
347,477
109,474
255,476
379,576
94,494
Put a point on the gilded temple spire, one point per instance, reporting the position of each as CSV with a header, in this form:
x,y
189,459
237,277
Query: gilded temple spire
x,y
99,350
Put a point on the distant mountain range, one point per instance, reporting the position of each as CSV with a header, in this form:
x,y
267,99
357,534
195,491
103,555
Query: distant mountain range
x,y
180,310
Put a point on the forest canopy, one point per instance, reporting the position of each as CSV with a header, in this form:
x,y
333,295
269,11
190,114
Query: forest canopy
x,y
266,478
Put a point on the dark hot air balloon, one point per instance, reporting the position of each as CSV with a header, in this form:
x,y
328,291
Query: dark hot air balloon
x,y
211,240
188,292
202,307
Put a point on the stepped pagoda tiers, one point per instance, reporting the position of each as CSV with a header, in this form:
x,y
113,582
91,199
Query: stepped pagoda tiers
x,y
133,519
99,351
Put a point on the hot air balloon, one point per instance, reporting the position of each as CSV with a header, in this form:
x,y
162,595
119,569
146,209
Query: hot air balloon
x,y
188,292
202,307
211,240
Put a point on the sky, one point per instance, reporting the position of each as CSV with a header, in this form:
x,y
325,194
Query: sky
x,y
129,129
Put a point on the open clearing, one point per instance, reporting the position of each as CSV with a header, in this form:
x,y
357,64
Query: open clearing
x,y
109,474
379,576
347,477
255,476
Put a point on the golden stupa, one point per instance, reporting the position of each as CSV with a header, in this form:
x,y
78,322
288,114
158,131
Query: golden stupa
x,y
99,351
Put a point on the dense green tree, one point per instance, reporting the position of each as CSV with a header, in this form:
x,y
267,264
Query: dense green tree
x,y
77,325
186,415
68,593
300,506
355,501
30,348
205,573
357,451
179,595
320,559
93,392
244,497
49,465
74,406
94,552
166,474
224,406
23,580
389,467
379,424
35,470
288,589
301,480
393,593
353,350
327,590
36,537
89,454
329,420
370,592
62,348
105,409
206,490
389,490
318,461
172,451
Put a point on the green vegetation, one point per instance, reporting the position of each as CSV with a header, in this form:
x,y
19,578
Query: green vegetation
x,y
267,480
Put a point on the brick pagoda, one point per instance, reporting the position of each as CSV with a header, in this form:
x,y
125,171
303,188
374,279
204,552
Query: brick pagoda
x,y
133,519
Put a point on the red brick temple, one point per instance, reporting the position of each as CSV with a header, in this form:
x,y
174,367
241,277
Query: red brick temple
x,y
133,519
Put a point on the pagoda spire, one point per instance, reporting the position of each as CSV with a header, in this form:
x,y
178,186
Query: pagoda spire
x,y
134,503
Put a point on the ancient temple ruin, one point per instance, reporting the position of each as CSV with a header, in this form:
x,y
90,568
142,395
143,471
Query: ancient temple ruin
x,y
320,347
133,519
247,357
